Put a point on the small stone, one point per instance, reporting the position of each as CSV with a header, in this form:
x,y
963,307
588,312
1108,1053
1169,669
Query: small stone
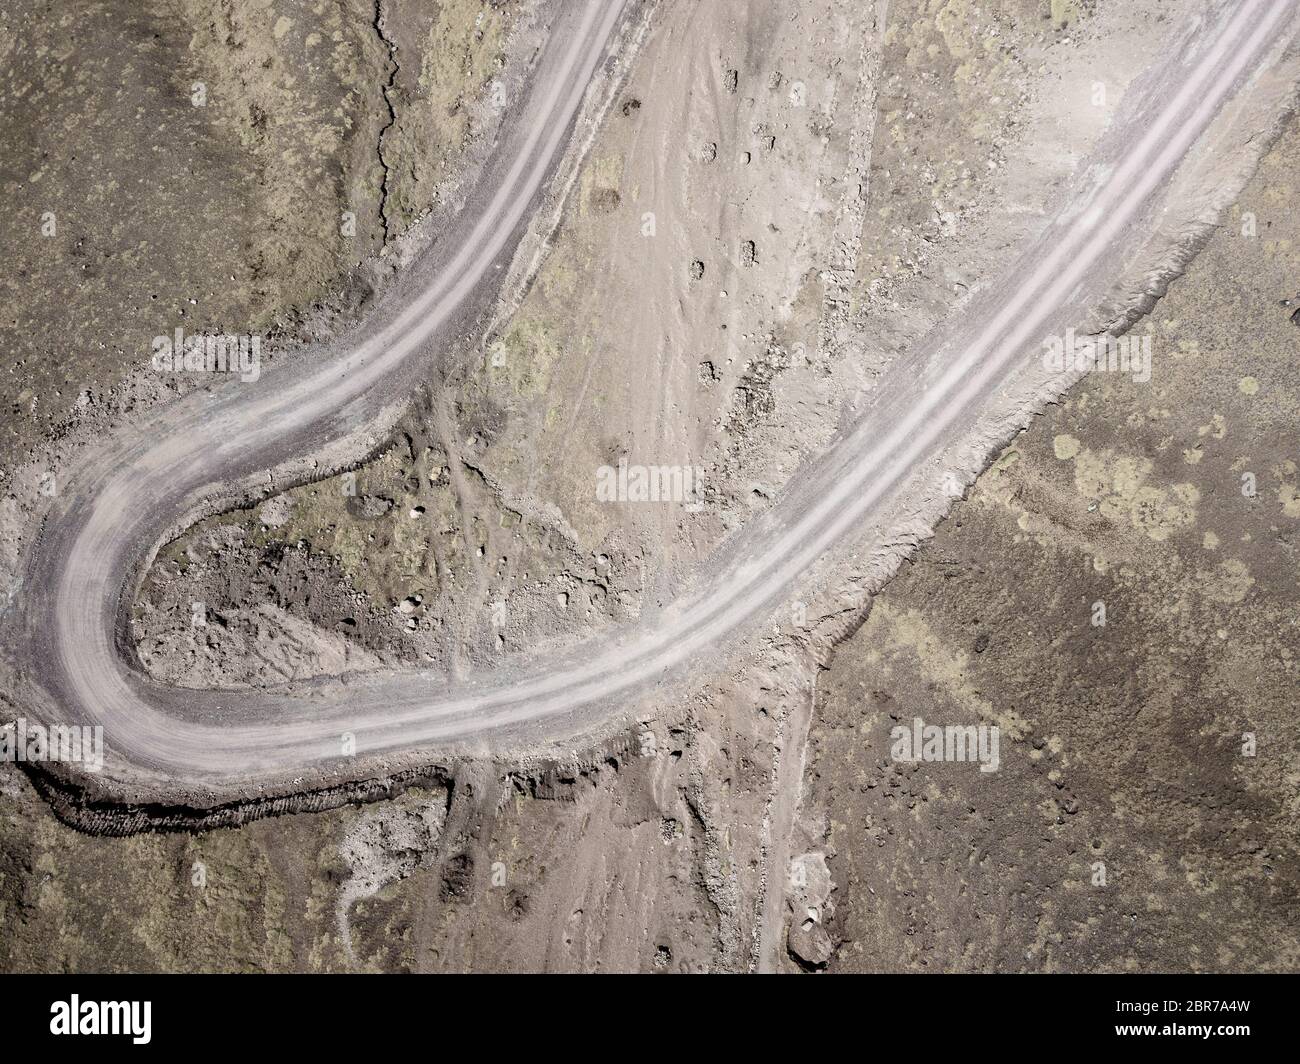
x,y
810,945
373,506
276,512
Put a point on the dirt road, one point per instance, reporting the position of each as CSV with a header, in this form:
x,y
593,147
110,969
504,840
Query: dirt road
x,y
140,486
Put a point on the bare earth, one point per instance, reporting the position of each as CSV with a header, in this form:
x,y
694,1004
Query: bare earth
x,y
817,198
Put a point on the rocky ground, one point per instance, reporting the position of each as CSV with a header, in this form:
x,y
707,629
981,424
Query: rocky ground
x,y
1144,814
783,194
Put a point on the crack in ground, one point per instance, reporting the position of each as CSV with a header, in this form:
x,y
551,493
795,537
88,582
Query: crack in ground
x,y
386,90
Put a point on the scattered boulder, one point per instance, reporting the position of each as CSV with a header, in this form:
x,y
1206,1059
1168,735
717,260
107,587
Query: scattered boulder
x,y
810,945
276,512
371,507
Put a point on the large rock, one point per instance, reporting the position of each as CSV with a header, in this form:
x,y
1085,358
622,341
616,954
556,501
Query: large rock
x,y
810,944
